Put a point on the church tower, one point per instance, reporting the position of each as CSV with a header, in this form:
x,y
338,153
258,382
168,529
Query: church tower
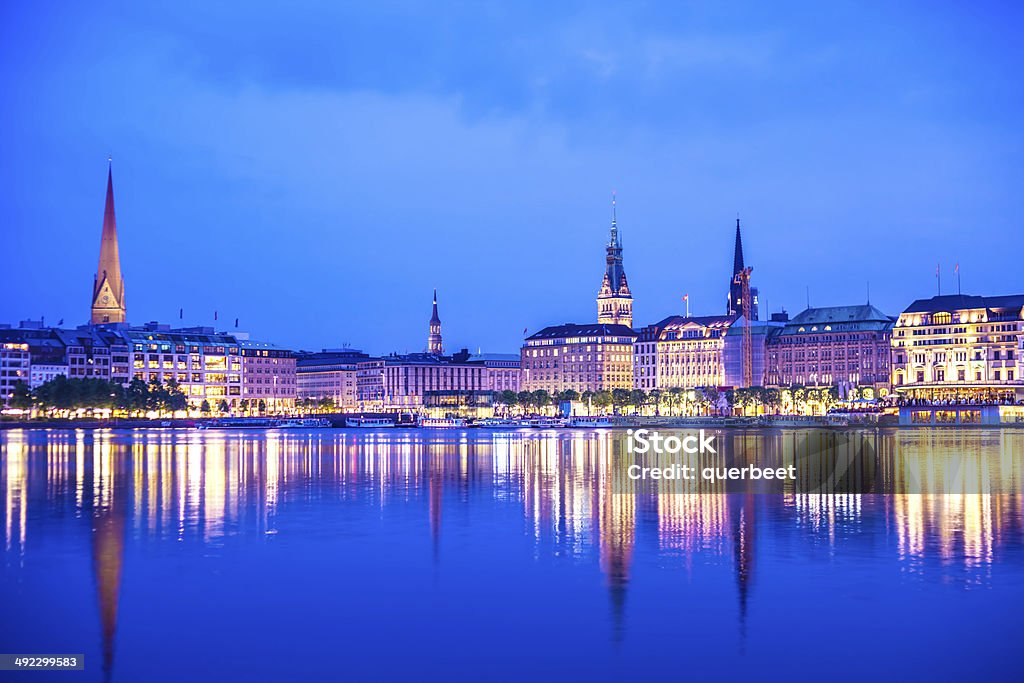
x,y
614,300
734,304
434,338
108,286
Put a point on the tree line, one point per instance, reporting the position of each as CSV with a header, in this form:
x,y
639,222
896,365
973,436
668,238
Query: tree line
x,y
705,400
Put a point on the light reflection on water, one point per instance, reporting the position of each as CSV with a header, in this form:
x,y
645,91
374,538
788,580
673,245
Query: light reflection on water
x,y
160,489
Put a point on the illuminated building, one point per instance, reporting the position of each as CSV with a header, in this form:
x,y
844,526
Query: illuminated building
x,y
592,357
108,304
370,383
840,346
425,380
614,300
734,301
960,347
681,352
331,373
268,375
502,371
434,344
14,367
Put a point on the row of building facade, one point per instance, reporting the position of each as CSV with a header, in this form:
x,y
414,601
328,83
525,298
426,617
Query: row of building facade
x,y
944,347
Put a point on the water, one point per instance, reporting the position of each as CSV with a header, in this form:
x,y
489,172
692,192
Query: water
x,y
346,555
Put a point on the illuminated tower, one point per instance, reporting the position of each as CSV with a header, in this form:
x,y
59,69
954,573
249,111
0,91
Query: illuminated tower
x,y
108,286
614,301
434,338
734,304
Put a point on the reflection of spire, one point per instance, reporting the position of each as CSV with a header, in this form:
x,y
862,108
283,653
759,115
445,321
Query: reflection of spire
x,y
108,534
743,531
435,486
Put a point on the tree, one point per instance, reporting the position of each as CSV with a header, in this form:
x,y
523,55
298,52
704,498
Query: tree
x,y
262,406
508,398
620,399
541,398
603,399
657,397
137,395
570,395
526,399
223,406
676,396
243,405
772,399
21,396
638,399
588,398
204,407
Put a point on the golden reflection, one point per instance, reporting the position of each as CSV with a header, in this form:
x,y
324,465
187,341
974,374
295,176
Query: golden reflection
x,y
571,488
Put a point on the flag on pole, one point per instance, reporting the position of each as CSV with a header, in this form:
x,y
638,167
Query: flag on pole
x,y
181,313
215,315
956,269
524,331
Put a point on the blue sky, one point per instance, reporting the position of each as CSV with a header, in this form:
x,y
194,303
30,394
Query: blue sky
x,y
315,169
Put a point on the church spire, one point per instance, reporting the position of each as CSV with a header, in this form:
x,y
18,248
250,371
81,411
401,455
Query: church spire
x,y
108,304
434,337
737,254
614,300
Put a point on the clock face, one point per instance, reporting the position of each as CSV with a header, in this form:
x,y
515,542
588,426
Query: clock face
x,y
106,299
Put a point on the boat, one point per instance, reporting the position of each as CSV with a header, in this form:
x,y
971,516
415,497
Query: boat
x,y
491,422
361,422
592,422
442,422
542,423
303,423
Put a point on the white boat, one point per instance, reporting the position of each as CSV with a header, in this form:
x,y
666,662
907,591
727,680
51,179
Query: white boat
x,y
543,422
442,422
496,422
303,423
361,422
592,422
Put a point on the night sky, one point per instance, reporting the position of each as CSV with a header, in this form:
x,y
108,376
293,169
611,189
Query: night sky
x,y
315,169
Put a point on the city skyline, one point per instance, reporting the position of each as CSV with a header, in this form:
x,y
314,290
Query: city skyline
x,y
320,207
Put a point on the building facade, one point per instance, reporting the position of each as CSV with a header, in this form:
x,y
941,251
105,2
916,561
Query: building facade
x,y
960,348
614,300
681,352
14,366
840,346
502,371
268,375
370,384
331,373
592,357
424,380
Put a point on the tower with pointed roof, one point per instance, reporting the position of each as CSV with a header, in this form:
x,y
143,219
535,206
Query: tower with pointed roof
x,y
108,304
734,303
434,338
614,300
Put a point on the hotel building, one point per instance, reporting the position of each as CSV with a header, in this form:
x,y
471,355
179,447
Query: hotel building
x,y
268,375
331,373
426,380
960,347
14,365
592,357
841,346
502,371
681,352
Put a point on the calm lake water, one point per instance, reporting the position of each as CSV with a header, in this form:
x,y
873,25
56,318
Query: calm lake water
x,y
480,555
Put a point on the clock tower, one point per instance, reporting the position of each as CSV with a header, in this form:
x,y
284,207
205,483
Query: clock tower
x,y
108,285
